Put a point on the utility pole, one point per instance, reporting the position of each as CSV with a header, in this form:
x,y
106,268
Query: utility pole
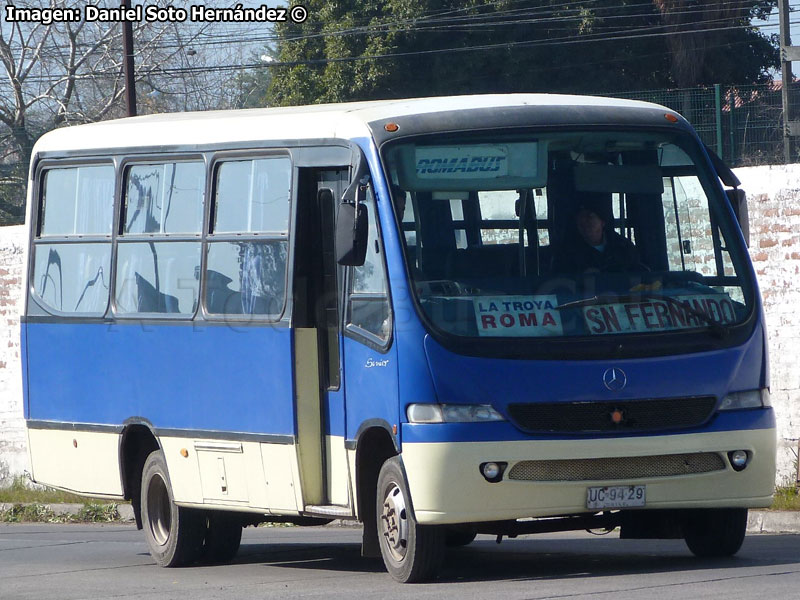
x,y
127,63
789,53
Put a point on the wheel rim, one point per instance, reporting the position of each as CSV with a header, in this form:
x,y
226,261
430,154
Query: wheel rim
x,y
159,513
394,523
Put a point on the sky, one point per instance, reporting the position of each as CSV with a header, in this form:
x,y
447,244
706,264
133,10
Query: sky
x,y
771,26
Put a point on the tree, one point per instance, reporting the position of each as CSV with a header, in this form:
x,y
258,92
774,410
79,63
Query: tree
x,y
702,35
354,50
66,73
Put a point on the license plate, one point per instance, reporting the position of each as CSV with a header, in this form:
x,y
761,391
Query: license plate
x,y
615,496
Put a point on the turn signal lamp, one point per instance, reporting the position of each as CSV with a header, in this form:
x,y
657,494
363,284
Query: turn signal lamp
x,y
671,118
391,127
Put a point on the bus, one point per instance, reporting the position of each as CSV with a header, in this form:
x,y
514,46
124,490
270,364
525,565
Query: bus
x,y
439,317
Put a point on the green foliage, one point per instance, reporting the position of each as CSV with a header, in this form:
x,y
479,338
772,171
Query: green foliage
x,y
37,513
97,512
92,512
22,491
31,503
356,50
786,498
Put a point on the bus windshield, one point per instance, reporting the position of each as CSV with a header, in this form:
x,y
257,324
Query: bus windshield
x,y
568,233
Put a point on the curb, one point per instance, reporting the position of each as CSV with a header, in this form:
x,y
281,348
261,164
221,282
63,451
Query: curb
x,y
758,521
773,521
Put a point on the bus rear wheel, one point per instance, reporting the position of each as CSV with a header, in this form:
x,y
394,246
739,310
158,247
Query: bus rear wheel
x,y
174,534
715,532
223,536
411,552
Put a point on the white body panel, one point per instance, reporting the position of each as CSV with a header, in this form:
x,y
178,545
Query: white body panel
x,y
258,477
84,462
338,471
446,485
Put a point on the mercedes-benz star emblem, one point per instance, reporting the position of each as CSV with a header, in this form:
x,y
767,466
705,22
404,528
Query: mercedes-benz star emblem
x,y
614,379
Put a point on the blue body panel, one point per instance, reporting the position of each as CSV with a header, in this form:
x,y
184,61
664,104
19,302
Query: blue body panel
x,y
217,378
371,379
370,375
479,380
410,379
23,353
333,413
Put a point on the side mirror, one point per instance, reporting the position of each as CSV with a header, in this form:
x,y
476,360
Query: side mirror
x,y
351,231
738,202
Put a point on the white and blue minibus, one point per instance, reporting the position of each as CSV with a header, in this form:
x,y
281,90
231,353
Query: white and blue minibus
x,y
390,312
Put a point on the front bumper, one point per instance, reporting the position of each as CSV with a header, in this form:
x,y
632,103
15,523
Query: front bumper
x,y
446,485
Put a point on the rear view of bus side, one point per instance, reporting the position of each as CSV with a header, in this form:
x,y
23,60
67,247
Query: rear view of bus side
x,y
439,317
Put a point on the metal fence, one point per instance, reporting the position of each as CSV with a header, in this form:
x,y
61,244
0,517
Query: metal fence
x,y
743,124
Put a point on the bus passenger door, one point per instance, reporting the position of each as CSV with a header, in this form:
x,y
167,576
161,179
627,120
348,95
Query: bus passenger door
x,y
317,347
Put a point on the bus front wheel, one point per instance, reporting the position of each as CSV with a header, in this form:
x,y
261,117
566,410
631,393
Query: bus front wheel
x,y
457,536
411,552
174,534
715,532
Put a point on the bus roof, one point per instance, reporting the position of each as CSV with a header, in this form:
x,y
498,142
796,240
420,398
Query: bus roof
x,y
344,121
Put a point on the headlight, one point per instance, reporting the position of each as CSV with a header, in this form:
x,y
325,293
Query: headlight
x,y
749,399
452,413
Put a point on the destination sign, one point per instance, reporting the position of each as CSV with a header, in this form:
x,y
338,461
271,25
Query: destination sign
x,y
653,314
464,162
517,316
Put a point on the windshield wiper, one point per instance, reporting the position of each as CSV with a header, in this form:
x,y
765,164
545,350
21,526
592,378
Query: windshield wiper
x,y
717,329
605,299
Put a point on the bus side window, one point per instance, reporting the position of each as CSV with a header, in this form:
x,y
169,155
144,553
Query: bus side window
x,y
690,245
72,250
368,304
249,246
159,249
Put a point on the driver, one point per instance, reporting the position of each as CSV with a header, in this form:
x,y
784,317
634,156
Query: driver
x,y
592,245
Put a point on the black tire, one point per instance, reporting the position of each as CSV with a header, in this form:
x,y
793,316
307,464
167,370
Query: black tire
x,y
715,532
174,534
223,537
412,553
457,536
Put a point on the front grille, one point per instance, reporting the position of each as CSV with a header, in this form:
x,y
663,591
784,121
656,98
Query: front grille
x,y
599,417
606,469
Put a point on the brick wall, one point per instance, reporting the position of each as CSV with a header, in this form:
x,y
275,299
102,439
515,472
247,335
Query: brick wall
x,y
13,452
774,204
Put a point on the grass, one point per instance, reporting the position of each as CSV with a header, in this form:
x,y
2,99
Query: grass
x,y
92,512
29,504
786,498
20,491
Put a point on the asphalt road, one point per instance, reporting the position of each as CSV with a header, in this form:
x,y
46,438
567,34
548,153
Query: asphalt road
x,y
67,562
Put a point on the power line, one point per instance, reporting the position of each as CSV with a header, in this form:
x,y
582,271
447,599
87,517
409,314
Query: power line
x,y
482,47
546,14
600,36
